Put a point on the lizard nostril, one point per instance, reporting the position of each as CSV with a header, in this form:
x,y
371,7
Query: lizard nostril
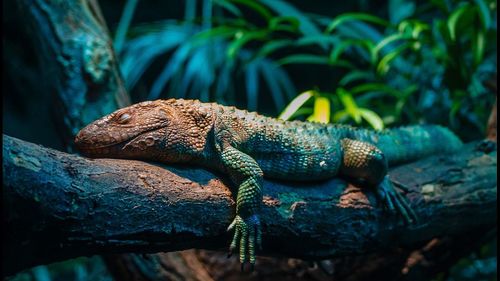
x,y
80,138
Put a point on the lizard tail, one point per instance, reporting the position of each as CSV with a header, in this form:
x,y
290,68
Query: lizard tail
x,y
406,144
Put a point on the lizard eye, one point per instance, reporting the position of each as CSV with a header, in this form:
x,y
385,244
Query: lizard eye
x,y
123,118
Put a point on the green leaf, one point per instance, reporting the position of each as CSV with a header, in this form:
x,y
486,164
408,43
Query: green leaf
x,y
414,27
484,13
220,31
372,118
241,40
313,59
386,41
284,8
400,9
356,75
340,48
321,112
350,104
478,45
355,17
377,87
257,7
301,112
340,116
272,46
441,5
295,104
284,23
454,19
320,39
303,59
455,107
229,7
399,107
360,30
383,65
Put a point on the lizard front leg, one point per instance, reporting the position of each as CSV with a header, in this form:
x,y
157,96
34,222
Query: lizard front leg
x,y
246,173
366,162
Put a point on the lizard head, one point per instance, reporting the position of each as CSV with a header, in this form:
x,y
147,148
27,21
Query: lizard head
x,y
152,130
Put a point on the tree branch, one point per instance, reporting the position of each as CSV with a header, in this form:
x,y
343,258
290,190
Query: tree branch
x,y
79,206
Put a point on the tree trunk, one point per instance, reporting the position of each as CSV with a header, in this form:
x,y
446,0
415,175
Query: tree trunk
x,y
77,58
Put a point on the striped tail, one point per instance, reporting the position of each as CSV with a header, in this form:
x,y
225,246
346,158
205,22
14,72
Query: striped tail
x,y
406,144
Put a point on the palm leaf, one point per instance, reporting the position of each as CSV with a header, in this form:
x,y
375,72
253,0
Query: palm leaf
x,y
141,51
307,27
355,17
173,67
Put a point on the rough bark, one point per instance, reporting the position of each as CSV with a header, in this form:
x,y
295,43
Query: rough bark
x,y
491,128
80,206
79,65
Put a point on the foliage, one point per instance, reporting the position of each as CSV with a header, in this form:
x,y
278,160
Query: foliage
x,y
424,63
417,70
208,63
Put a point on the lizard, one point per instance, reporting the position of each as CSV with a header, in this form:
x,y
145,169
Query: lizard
x,y
247,147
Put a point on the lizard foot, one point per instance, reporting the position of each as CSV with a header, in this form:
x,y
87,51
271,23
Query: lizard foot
x,y
394,201
247,234
486,146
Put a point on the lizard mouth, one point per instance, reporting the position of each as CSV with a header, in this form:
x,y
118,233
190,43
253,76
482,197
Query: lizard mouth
x,y
102,145
101,150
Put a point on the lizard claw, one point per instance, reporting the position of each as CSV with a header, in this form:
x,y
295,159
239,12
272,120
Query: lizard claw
x,y
486,146
247,235
395,202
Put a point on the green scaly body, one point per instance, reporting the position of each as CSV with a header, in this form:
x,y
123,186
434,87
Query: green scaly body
x,y
295,149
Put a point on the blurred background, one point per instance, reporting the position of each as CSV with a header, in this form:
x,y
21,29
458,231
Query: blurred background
x,y
374,64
